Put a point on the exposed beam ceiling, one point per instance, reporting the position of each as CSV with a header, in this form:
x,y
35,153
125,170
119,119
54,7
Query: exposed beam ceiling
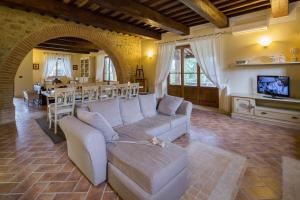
x,y
65,11
208,11
69,44
279,8
145,14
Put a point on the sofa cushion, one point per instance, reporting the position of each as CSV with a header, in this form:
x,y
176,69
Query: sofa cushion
x,y
178,120
148,105
130,110
97,121
169,105
150,167
109,109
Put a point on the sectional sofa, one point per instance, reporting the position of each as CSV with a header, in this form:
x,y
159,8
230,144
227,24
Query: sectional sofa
x,y
134,169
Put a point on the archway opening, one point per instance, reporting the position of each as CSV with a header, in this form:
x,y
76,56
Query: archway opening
x,y
64,60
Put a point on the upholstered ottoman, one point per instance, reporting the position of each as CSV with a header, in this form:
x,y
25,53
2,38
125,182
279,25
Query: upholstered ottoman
x,y
145,172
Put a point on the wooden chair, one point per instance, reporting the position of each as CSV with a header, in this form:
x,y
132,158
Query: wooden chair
x,y
31,97
107,92
134,89
89,93
64,105
123,90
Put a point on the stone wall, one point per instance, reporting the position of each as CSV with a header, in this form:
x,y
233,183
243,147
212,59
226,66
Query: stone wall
x,y
21,31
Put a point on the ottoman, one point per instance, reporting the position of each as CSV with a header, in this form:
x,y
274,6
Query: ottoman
x,y
147,172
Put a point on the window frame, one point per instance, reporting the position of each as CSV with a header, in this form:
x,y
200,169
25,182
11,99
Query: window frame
x,y
111,64
182,72
56,70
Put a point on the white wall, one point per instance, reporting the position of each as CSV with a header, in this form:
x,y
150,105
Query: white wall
x,y
23,78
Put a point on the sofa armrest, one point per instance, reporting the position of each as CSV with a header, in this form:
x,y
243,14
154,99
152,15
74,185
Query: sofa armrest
x,y
185,109
86,148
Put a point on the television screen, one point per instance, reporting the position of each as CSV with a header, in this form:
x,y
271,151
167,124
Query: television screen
x,y
273,85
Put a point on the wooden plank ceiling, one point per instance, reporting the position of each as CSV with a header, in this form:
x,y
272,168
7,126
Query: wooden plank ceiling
x,y
146,18
69,44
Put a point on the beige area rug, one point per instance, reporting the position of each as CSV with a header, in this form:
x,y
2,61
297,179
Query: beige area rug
x,y
214,174
291,179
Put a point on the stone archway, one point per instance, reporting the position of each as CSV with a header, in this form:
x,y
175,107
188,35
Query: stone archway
x,y
10,65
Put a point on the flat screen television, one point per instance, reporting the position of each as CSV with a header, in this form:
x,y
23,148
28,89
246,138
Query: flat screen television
x,y
275,86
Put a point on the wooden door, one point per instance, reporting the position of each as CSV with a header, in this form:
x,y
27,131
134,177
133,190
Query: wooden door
x,y
185,80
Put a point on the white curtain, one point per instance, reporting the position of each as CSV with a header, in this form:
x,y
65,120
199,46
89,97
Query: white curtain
x,y
67,64
99,67
165,55
49,64
208,52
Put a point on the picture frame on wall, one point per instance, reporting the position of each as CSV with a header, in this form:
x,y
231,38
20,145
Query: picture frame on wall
x,y
75,67
35,66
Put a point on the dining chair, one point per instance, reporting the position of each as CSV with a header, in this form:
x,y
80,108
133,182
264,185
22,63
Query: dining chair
x,y
89,93
107,92
134,89
123,90
64,105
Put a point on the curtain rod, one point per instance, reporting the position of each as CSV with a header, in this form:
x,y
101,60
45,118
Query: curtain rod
x,y
192,37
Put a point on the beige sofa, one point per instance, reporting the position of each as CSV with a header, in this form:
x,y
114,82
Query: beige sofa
x,y
135,171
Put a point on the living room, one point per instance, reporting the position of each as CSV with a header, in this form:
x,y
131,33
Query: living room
x,y
186,100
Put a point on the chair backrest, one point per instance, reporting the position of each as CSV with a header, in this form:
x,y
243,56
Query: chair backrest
x,y
123,90
134,89
107,92
89,93
113,82
64,97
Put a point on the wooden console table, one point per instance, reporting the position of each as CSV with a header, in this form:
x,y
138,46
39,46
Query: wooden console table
x,y
279,111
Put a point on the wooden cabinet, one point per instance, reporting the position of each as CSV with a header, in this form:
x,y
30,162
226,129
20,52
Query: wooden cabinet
x,y
281,112
85,67
243,106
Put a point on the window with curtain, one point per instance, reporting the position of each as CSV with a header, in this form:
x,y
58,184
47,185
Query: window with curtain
x,y
59,69
57,65
184,63
175,70
109,71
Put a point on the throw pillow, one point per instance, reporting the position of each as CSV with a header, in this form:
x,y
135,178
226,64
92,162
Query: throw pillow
x,y
97,121
109,109
130,110
169,105
148,105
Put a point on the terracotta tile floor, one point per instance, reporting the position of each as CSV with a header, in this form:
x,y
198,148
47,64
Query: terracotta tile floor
x,y
32,167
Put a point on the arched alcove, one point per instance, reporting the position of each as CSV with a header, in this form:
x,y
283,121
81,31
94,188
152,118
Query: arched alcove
x,y
10,66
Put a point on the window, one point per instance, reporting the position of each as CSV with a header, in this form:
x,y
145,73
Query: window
x,y
189,70
204,81
59,69
109,72
175,71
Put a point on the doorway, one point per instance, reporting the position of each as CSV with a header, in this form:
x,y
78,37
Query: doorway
x,y
186,79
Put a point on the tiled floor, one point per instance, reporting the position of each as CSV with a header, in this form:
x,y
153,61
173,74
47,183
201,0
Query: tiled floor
x,y
31,167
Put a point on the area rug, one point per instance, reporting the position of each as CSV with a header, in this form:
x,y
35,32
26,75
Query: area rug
x,y
44,124
214,174
291,179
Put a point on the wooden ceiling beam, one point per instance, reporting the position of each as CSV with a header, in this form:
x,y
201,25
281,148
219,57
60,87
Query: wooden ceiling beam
x,y
280,8
63,50
145,14
69,12
208,11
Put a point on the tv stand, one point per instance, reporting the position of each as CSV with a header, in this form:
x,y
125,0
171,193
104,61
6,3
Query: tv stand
x,y
280,111
273,97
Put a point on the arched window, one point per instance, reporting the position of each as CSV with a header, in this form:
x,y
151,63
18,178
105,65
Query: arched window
x,y
109,71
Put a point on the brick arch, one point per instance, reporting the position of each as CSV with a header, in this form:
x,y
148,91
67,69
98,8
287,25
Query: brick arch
x,y
11,63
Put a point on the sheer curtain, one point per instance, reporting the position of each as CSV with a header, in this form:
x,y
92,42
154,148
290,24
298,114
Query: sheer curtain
x,y
51,60
208,52
67,64
165,55
100,66
49,64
